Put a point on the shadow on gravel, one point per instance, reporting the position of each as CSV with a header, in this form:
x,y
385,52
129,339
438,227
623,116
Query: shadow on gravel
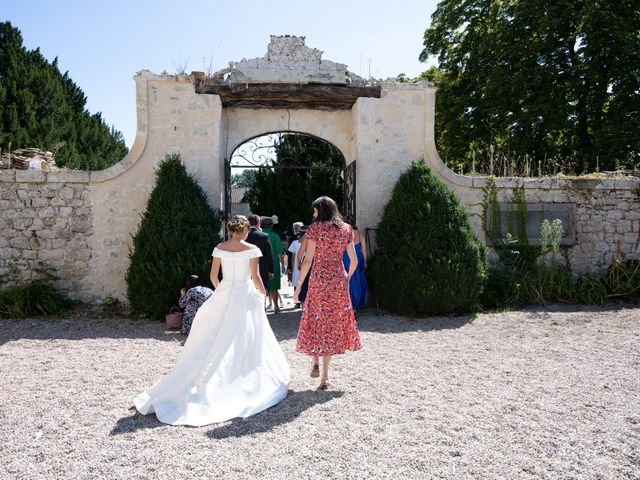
x,y
136,422
285,325
81,329
284,412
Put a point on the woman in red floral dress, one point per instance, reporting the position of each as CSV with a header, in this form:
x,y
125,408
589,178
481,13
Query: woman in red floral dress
x,y
328,324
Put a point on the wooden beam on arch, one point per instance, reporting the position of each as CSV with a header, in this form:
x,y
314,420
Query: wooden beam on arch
x,y
320,96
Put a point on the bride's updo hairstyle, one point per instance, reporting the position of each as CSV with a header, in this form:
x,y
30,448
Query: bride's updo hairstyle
x,y
237,224
328,211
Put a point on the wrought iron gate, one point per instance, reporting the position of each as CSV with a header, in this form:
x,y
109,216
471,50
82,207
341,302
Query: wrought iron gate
x,y
349,201
227,194
259,153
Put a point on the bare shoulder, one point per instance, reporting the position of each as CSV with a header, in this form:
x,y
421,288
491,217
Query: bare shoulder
x,y
249,246
222,245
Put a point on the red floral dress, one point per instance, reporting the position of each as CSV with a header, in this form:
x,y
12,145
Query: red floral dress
x,y
328,324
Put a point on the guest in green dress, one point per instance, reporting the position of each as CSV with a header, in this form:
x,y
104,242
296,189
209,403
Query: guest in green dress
x,y
278,252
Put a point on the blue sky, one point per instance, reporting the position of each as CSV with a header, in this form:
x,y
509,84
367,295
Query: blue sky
x,y
104,43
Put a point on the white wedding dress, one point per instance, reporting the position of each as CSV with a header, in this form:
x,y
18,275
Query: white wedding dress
x,y
231,364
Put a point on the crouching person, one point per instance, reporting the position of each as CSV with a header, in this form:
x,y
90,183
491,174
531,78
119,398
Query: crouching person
x,y
192,296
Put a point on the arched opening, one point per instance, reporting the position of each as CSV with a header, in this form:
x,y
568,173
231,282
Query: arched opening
x,y
281,173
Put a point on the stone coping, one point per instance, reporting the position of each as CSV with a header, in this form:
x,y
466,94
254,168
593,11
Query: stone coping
x,y
575,183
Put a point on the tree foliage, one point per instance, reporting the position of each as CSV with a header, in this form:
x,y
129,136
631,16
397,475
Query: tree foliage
x,y
43,108
175,239
428,260
246,179
554,80
289,192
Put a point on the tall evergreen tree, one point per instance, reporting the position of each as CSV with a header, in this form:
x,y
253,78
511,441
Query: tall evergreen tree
x,y
545,79
175,239
428,259
289,192
42,107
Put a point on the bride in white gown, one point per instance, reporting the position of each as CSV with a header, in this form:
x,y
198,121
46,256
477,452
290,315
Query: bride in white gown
x,y
231,364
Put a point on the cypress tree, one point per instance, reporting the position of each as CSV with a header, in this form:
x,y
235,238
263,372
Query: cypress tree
x,y
41,107
175,239
428,260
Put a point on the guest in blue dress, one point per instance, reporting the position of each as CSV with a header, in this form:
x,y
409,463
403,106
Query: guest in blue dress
x,y
358,289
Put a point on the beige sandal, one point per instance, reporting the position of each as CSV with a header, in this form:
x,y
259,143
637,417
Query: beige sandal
x,y
315,371
324,386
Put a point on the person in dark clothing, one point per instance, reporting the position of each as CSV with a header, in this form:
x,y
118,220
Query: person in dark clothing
x,y
261,240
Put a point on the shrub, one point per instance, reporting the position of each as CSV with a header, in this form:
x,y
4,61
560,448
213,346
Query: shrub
x,y
590,290
38,297
177,233
510,281
554,280
622,280
428,260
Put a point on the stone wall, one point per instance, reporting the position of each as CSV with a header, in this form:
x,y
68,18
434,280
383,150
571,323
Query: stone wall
x,y
602,221
48,222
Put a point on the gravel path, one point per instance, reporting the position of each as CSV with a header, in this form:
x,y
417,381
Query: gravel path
x,y
524,394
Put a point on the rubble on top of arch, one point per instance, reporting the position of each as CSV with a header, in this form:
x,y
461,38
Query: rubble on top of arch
x,y
288,60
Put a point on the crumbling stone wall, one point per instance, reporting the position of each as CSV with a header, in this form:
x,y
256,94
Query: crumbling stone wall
x,y
45,222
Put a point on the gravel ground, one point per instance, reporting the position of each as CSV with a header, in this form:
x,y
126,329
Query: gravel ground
x,y
536,393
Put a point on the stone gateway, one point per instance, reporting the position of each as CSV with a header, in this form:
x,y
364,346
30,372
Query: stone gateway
x,y
81,223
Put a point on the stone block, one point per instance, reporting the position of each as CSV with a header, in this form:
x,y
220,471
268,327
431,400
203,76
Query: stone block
x,y
8,176
20,242
69,177
630,238
10,213
613,215
8,253
29,255
49,193
66,193
22,223
61,222
29,212
57,202
623,226
31,176
49,255
47,212
65,211
9,194
34,243
39,202
83,211
22,194
47,233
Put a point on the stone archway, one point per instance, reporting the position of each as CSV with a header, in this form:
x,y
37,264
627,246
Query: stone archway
x,y
293,156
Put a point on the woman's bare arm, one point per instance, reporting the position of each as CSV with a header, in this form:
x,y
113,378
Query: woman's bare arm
x,y
306,266
215,268
255,275
353,260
